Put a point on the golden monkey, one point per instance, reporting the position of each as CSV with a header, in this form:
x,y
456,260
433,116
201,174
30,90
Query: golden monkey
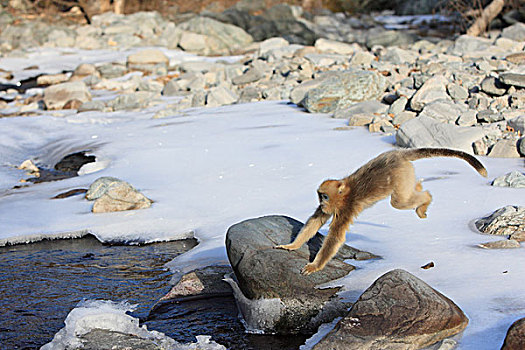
x,y
389,174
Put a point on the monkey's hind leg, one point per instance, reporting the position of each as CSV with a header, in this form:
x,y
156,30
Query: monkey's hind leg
x,y
409,194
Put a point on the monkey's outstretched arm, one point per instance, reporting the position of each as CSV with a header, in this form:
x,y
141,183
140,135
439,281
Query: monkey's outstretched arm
x,y
314,223
333,241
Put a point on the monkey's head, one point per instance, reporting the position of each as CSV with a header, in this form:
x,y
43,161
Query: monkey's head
x,y
331,195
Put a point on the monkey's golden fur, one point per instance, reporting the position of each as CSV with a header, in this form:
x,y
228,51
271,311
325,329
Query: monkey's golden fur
x,y
389,174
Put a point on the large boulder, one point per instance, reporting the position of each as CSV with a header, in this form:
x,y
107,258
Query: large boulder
x,y
504,221
515,339
428,132
339,90
398,311
272,293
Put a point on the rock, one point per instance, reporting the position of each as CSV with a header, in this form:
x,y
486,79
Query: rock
x,y
341,90
134,100
518,124
359,119
503,244
149,60
84,70
112,70
372,107
489,116
514,79
518,236
396,55
515,339
433,89
503,222
513,179
220,96
445,111
337,47
515,32
206,36
467,118
362,58
96,105
398,311
516,58
457,92
112,194
389,38
403,117
521,146
398,106
504,149
466,44
427,132
493,86
56,96
52,79
274,296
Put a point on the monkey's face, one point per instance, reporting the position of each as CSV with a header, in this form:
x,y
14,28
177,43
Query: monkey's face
x,y
331,193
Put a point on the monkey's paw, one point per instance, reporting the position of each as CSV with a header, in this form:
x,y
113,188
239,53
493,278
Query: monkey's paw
x,y
285,247
310,268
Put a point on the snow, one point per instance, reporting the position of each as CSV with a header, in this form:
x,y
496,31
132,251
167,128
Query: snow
x,y
209,168
107,315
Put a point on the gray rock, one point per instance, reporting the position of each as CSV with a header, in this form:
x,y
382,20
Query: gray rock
x,y
433,89
457,92
504,149
503,222
403,117
398,311
362,58
493,86
372,107
220,96
344,89
337,47
427,132
515,338
111,194
515,32
513,179
489,116
207,36
96,105
465,44
149,60
398,106
112,70
514,79
389,38
299,92
56,96
273,294
134,100
251,75
396,55
518,124
467,118
445,111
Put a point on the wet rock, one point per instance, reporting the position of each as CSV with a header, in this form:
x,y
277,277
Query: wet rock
x,y
433,89
513,179
272,293
504,221
504,149
398,311
427,132
341,90
515,338
112,194
503,244
56,96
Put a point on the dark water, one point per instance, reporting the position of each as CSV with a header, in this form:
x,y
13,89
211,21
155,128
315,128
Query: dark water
x,y
41,283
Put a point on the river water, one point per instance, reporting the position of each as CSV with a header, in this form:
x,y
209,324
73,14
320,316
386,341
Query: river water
x,y
41,282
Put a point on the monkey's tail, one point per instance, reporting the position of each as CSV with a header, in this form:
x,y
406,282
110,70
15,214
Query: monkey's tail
x,y
419,153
